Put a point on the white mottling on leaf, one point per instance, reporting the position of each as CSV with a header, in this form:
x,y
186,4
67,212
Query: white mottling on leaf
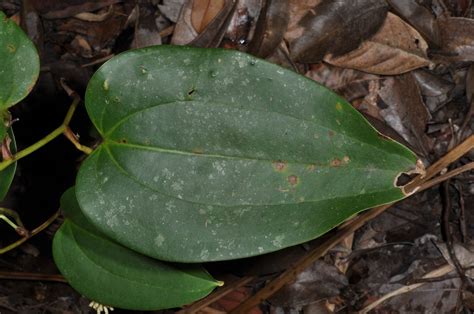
x,y
159,240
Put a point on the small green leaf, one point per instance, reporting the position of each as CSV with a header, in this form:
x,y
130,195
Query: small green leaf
x,y
214,154
7,174
115,276
19,63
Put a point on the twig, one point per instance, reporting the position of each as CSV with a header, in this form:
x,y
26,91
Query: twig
x,y
448,234
442,163
31,276
197,306
92,17
291,273
62,129
97,61
35,231
443,270
448,175
462,215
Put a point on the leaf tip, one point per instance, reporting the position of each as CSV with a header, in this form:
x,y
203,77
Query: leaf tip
x,y
403,179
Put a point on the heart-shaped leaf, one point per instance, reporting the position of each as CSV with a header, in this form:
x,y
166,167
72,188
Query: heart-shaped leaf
x,y
19,63
7,174
116,276
213,154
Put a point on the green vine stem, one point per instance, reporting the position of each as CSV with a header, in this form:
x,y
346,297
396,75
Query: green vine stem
x,y
6,214
62,129
35,231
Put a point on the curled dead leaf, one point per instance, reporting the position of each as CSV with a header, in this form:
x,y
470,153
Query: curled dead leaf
x,y
419,17
336,27
396,48
202,23
457,38
271,27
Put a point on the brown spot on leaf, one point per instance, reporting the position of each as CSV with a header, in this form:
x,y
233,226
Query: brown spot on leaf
x,y
123,141
293,180
336,162
338,107
11,48
280,166
311,168
198,151
346,159
330,133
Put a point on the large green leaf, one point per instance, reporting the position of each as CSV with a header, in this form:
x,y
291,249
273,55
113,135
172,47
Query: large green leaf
x,y
116,276
19,63
213,154
7,174
3,129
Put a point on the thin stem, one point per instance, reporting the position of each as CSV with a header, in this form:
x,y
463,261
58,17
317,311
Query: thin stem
x,y
62,129
37,230
25,152
8,221
13,214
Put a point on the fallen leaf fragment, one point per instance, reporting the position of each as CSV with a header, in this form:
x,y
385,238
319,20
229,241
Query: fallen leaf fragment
x,y
457,38
202,23
203,12
336,27
405,111
297,9
395,49
419,17
271,26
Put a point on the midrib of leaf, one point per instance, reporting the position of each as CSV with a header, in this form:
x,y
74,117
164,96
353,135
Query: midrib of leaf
x,y
354,139
204,155
136,180
120,276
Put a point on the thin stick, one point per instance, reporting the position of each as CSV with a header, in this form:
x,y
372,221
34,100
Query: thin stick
x,y
62,129
442,163
31,276
35,231
443,270
290,274
197,306
448,175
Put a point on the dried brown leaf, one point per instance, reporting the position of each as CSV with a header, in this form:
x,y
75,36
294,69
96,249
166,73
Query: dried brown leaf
x,y
171,9
396,48
435,90
470,83
405,111
457,37
297,9
203,23
349,83
53,9
336,27
419,17
203,12
271,26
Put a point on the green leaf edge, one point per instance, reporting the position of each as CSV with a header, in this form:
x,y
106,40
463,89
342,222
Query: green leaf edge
x,y
67,235
34,63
